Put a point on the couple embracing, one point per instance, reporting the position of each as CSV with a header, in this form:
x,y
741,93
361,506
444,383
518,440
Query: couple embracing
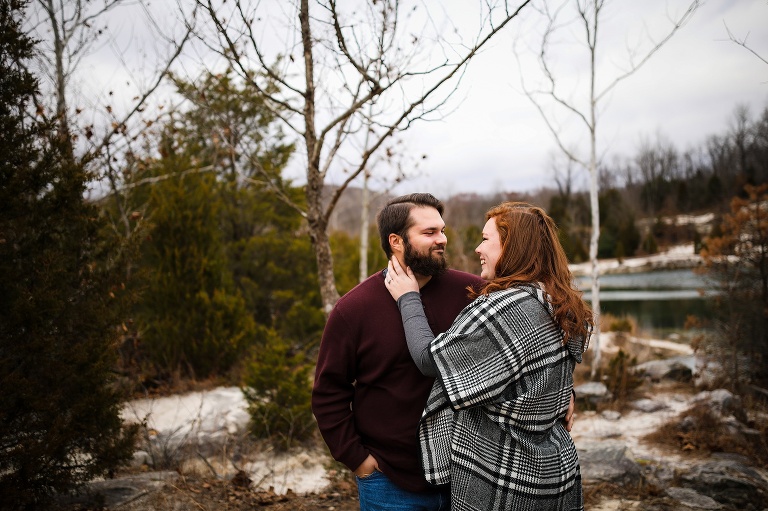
x,y
444,391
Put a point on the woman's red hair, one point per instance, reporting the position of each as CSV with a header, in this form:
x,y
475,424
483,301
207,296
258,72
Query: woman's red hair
x,y
531,253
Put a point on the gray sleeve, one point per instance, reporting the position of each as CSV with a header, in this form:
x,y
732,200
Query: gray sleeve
x,y
417,332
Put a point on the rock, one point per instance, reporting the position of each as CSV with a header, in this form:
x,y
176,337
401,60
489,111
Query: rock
x,y
647,405
609,462
693,499
591,389
676,368
729,481
723,402
610,415
592,393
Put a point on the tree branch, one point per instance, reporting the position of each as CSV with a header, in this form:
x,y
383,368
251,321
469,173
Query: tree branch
x,y
157,179
678,24
743,43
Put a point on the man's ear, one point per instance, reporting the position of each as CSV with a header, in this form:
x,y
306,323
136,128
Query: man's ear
x,y
396,243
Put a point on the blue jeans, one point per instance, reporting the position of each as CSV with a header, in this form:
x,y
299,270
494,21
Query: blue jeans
x,y
378,493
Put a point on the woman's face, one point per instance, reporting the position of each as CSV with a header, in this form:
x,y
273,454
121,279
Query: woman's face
x,y
489,250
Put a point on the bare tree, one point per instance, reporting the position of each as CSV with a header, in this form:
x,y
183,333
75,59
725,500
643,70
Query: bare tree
x,y
72,35
588,14
657,164
564,176
742,135
69,32
338,70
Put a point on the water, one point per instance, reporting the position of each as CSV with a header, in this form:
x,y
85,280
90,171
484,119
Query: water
x,y
660,301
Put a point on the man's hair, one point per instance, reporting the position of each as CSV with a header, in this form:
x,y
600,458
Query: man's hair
x,y
395,217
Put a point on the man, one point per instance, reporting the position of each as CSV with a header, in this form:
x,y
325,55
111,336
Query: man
x,y
368,394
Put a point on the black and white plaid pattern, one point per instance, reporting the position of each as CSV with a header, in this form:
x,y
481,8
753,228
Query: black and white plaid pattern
x,y
492,426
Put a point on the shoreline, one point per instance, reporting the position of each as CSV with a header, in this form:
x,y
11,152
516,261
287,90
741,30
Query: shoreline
x,y
679,257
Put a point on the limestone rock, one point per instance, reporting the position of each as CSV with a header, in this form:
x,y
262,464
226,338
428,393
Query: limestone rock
x,y
676,368
610,462
647,405
728,480
692,499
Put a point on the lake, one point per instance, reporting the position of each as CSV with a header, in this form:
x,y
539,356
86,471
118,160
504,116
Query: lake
x,y
660,301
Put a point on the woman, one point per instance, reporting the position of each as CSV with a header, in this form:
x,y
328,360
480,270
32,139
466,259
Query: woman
x,y
492,426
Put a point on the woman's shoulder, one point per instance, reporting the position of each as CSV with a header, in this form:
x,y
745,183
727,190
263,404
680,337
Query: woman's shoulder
x,y
518,295
514,292
495,304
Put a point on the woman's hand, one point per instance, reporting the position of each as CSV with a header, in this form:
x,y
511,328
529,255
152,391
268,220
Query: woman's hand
x,y
398,280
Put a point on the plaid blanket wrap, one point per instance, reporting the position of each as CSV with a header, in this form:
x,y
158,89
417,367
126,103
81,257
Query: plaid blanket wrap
x,y
492,426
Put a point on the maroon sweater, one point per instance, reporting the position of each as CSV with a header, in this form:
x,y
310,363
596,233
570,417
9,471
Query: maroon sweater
x,y
368,394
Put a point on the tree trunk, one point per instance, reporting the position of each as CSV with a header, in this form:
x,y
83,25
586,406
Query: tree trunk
x,y
594,196
593,244
317,220
62,122
322,247
318,233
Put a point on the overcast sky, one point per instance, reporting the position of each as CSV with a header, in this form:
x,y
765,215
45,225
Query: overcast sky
x,y
496,139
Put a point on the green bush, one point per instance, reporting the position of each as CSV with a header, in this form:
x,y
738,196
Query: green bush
x,y
193,321
278,391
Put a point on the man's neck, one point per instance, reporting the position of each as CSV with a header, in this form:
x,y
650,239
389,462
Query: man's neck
x,y
422,279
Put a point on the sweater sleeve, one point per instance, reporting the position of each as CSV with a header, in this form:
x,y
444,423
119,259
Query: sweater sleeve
x,y
417,332
333,393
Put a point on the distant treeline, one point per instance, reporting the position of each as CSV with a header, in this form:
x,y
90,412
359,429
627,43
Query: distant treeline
x,y
636,193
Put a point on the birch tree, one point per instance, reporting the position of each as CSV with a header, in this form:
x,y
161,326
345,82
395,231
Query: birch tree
x,y
341,72
559,102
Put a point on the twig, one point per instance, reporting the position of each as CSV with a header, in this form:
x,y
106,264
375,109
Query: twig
x,y
210,467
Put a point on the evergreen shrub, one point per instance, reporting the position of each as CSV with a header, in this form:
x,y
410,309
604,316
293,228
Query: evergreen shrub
x,y
278,391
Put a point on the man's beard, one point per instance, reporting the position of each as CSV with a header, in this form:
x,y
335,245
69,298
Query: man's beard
x,y
428,265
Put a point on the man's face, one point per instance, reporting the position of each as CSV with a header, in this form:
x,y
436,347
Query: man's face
x,y
425,242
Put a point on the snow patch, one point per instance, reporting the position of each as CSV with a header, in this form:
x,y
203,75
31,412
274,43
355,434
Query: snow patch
x,y
198,418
